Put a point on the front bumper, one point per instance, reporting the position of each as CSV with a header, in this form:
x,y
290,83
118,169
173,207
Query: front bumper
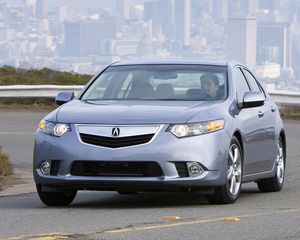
x,y
210,150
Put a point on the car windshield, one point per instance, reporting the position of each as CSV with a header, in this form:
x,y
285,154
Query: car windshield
x,y
160,82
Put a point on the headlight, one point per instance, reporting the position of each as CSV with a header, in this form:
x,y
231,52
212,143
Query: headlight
x,y
193,129
55,129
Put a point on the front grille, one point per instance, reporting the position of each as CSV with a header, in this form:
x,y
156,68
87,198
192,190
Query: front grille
x,y
116,169
182,169
115,142
54,167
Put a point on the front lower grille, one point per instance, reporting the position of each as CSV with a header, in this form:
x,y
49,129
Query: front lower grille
x,y
54,167
116,169
115,142
182,169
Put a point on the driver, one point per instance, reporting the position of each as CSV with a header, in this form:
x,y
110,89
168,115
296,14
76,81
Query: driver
x,y
210,85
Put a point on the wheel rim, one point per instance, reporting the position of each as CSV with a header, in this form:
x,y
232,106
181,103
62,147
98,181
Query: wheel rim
x,y
280,162
234,171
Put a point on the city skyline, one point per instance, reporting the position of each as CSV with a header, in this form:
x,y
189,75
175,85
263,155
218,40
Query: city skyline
x,y
86,37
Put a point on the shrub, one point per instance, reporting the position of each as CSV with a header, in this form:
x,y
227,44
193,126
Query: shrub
x,y
15,76
5,164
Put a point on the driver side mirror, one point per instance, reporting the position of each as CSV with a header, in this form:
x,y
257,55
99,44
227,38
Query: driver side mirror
x,y
253,99
64,97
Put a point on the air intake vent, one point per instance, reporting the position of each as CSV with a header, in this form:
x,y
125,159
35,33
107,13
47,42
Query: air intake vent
x,y
54,167
115,142
182,169
116,169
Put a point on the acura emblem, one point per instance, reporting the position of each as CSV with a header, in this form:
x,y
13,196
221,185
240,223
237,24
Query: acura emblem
x,y
115,132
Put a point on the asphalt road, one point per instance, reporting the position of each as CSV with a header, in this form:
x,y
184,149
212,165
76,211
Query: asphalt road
x,y
108,215
17,135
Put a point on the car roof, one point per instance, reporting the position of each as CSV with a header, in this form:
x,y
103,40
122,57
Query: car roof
x,y
177,61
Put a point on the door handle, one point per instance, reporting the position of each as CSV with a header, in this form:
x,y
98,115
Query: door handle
x,y
260,114
273,109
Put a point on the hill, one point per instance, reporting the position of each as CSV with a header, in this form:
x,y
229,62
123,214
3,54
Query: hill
x,y
16,76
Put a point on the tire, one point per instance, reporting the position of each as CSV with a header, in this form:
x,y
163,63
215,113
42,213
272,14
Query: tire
x,y
275,183
230,192
56,198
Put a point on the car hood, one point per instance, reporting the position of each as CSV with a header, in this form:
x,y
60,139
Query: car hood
x,y
130,112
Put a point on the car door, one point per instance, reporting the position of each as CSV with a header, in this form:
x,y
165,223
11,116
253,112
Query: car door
x,y
250,125
267,146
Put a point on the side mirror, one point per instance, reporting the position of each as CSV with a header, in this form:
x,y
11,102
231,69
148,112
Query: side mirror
x,y
64,97
253,99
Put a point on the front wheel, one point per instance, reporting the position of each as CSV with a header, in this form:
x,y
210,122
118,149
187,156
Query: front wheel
x,y
275,183
56,198
230,192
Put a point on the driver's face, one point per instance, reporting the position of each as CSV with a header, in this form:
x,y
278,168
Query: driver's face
x,y
210,87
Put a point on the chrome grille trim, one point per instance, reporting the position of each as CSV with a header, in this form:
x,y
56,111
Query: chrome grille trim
x,y
148,131
125,130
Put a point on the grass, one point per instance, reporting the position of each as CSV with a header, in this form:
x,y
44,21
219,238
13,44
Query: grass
x,y
16,76
28,107
6,168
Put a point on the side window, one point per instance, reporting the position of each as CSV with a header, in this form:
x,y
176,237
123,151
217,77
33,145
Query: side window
x,y
241,85
253,84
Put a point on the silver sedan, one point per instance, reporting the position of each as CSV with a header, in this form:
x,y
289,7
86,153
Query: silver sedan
x,y
162,126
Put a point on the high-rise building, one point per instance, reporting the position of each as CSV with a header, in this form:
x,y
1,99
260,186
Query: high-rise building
x,y
270,5
124,8
160,14
292,11
274,43
87,38
62,13
29,9
182,20
29,2
41,9
251,6
246,7
220,10
241,41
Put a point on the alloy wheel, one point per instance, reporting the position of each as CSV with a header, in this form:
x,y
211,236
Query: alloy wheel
x,y
280,163
234,176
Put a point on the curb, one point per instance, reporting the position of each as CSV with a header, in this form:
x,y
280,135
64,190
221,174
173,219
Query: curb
x,y
24,184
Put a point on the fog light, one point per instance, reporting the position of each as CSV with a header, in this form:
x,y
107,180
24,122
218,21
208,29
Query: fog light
x,y
46,167
194,169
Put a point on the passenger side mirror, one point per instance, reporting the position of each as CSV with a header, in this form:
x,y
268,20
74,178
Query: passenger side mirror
x,y
64,97
253,99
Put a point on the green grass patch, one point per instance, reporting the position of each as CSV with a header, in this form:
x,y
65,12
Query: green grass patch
x,y
14,76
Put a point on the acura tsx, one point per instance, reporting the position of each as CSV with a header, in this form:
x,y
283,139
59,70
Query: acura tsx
x,y
187,125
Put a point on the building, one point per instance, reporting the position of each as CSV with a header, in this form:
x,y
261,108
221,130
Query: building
x,y
182,21
86,38
250,6
271,5
241,40
220,10
245,7
62,13
274,43
160,14
124,8
267,70
41,9
123,47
